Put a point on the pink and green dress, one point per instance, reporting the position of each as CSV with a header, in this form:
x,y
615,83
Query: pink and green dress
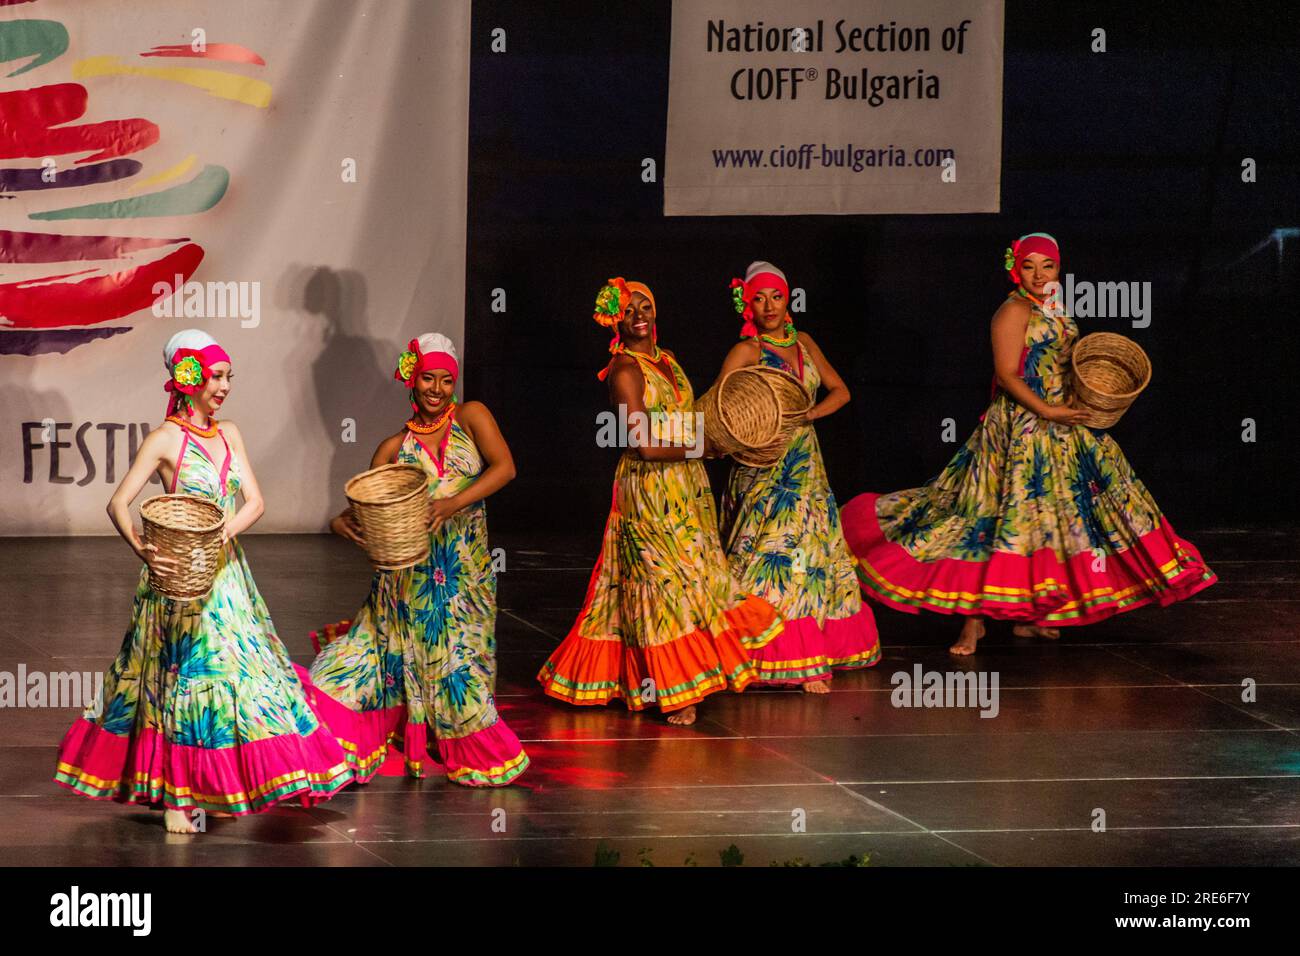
x,y
202,707
1031,521
664,623
416,667
781,530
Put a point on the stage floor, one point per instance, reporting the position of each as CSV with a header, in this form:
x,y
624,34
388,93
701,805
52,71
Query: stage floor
x,y
1140,716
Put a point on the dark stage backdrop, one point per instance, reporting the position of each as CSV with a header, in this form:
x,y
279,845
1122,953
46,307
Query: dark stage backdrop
x,y
1131,158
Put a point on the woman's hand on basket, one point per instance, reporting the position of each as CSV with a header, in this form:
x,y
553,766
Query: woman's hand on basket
x,y
157,561
440,509
345,526
1067,415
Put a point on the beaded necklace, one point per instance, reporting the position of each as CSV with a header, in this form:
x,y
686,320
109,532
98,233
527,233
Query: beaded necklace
x,y
653,357
417,426
209,432
790,337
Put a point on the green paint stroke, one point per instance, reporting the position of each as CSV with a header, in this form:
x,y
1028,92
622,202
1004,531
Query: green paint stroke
x,y
45,39
198,195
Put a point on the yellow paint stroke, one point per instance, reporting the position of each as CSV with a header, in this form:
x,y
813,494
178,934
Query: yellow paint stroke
x,y
228,86
180,169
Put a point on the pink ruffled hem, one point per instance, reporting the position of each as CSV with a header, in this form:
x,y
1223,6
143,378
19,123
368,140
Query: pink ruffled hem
x,y
1159,568
804,652
247,778
383,742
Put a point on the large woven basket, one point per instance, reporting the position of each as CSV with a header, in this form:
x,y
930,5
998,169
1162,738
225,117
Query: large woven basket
x,y
1109,371
742,411
186,528
794,403
391,505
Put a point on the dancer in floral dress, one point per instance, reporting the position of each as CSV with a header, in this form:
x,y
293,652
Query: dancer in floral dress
x,y
664,623
780,524
1037,519
417,665
202,708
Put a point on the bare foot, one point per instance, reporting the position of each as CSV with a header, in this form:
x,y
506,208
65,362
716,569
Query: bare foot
x,y
178,821
684,717
1035,630
971,632
816,687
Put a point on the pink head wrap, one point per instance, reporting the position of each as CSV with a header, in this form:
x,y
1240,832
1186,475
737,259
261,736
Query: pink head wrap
x,y
430,350
188,357
1025,246
759,275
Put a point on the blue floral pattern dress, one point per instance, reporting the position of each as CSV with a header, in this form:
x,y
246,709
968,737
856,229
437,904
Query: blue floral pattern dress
x,y
781,529
420,655
202,707
1030,521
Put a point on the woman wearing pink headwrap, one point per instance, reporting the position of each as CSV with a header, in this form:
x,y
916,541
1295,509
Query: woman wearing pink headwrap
x,y
780,524
417,665
1038,519
202,709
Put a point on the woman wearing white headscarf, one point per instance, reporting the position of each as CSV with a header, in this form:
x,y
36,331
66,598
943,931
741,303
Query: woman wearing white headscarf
x,y
202,709
420,655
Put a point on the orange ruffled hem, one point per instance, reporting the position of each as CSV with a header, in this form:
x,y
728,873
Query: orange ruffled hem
x,y
672,675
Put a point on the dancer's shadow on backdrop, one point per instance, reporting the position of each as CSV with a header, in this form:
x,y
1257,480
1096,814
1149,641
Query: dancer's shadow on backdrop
x,y
349,376
49,515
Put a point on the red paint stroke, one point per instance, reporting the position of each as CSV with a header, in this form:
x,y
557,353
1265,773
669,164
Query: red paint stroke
x,y
14,3
27,116
33,305
54,247
230,52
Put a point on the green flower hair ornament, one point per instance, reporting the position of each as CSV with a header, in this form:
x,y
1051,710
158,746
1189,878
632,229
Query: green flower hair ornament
x,y
607,301
738,299
1009,259
406,365
188,371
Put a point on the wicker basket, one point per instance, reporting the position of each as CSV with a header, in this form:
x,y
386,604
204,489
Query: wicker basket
x,y
188,529
794,403
1108,372
391,505
741,411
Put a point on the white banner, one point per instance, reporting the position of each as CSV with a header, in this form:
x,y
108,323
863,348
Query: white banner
x,y
300,166
834,106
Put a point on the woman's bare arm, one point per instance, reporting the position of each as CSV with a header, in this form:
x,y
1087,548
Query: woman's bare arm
x,y
837,393
158,448
1009,324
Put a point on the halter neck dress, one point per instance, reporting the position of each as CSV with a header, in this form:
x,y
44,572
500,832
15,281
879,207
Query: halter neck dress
x,y
1031,520
416,666
664,624
202,707
781,530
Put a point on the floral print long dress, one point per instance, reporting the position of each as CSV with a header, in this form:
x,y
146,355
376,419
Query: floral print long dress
x,y
202,707
664,623
420,655
781,529
1031,521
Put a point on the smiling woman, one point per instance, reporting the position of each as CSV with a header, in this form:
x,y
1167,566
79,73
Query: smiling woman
x,y
201,709
1037,519
416,667
664,623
